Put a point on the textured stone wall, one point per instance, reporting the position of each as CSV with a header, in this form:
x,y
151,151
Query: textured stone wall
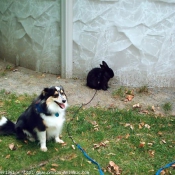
x,y
135,37
30,34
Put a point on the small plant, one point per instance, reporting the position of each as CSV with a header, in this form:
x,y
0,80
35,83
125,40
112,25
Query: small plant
x,y
167,107
2,73
119,92
143,89
129,92
8,67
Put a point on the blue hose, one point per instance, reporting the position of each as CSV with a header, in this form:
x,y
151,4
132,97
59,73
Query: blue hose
x,y
166,166
93,161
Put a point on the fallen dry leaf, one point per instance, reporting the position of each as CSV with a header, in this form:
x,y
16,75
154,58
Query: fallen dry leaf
x,y
94,123
43,163
19,146
54,165
64,144
142,144
3,113
147,126
119,138
173,166
129,97
113,168
89,162
127,124
73,146
111,106
101,144
150,144
126,100
111,154
151,153
53,169
96,146
141,125
163,141
26,141
144,111
15,70
160,133
132,127
56,149
96,129
153,108
7,156
136,105
106,141
12,146
127,136
30,153
162,172
95,126
68,157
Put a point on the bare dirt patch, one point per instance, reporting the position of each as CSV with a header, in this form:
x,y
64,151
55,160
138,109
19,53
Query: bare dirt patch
x,y
21,80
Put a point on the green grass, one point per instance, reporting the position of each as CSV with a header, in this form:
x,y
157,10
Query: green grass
x,y
124,131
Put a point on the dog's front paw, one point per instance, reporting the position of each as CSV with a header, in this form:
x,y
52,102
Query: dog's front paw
x,y
44,149
58,140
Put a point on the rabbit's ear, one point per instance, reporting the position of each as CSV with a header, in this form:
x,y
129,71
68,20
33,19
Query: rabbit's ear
x,y
101,66
105,64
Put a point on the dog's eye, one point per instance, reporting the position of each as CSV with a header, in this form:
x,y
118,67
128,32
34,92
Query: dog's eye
x,y
61,92
55,96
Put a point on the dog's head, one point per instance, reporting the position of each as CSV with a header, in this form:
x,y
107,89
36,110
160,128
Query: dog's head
x,y
55,99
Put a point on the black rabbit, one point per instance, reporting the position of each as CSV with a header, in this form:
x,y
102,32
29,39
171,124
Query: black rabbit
x,y
98,77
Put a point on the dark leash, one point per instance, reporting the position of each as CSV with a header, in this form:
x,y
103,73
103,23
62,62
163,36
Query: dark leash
x,y
77,145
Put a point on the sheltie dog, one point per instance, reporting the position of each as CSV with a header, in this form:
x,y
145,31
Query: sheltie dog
x,y
42,120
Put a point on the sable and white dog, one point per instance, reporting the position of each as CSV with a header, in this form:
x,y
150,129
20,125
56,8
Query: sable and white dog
x,y
42,120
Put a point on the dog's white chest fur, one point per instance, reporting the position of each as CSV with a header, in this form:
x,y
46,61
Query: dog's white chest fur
x,y
54,124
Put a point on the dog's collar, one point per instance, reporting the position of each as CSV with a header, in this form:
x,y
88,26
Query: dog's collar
x,y
40,110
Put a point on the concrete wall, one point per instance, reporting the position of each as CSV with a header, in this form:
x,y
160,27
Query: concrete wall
x,y
30,34
135,37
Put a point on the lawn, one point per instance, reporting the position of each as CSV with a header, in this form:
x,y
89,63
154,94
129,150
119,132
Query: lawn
x,y
139,144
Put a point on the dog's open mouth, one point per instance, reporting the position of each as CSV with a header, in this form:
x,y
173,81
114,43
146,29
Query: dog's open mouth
x,y
61,105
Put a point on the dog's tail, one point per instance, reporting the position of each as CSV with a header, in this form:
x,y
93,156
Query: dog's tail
x,y
7,127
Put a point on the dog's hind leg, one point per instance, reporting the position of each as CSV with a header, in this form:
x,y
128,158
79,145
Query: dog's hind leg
x,y
19,130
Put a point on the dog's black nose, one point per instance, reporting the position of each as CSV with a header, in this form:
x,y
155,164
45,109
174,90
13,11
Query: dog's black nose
x,y
64,101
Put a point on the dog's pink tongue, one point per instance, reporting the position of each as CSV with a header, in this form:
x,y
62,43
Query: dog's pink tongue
x,y
62,105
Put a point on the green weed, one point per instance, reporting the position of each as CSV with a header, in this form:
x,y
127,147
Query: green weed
x,y
143,89
167,107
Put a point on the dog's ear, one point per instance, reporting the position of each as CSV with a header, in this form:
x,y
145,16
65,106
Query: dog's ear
x,y
45,91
